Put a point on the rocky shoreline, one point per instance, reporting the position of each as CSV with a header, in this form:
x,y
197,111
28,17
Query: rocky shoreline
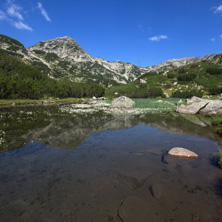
x,y
202,106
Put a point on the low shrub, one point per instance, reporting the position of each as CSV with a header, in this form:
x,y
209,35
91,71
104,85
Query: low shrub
x,y
170,75
187,77
217,121
186,93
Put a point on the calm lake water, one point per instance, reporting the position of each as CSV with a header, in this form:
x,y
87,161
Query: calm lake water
x,y
100,167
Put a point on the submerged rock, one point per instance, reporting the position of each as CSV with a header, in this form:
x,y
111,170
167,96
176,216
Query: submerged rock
x,y
122,102
156,190
134,207
129,181
182,153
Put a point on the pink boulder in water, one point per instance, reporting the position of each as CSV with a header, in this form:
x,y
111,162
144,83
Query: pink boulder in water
x,y
182,153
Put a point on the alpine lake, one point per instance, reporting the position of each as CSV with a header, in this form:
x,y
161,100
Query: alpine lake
x,y
89,163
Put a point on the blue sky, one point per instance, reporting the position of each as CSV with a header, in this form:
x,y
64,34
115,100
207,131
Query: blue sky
x,y
142,32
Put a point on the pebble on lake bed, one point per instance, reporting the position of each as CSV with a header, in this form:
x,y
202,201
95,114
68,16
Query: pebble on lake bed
x,y
182,153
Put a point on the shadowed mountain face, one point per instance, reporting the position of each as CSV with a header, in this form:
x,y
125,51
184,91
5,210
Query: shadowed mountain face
x,y
51,127
63,57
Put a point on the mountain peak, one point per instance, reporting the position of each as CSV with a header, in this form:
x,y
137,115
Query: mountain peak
x,y
63,38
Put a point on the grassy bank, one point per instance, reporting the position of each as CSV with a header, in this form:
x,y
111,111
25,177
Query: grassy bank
x,y
31,102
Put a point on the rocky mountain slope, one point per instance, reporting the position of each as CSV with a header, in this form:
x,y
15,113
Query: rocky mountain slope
x,y
63,57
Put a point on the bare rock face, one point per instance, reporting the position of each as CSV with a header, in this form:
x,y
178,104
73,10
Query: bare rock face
x,y
122,102
182,153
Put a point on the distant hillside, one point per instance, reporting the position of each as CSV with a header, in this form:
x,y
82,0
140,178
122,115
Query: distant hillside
x,y
200,79
63,58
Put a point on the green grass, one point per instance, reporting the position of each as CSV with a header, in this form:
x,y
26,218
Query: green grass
x,y
25,102
219,158
170,103
155,103
217,121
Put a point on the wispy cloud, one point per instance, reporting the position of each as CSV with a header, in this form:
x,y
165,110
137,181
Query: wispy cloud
x,y
2,15
43,12
13,16
158,38
21,25
218,9
221,36
14,11
212,39
141,28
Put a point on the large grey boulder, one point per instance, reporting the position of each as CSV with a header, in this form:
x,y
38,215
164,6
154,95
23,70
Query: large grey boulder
x,y
194,99
122,102
198,105
213,105
192,108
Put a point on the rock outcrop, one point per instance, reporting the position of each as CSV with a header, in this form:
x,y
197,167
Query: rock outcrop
x,y
122,102
182,153
198,105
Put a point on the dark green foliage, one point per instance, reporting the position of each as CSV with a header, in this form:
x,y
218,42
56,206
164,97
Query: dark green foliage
x,y
187,93
12,53
217,121
135,91
51,57
215,90
10,41
194,65
214,71
41,66
39,52
219,131
186,77
171,75
64,64
19,80
219,155
182,70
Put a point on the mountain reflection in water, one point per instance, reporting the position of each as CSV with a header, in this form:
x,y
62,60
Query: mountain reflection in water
x,y
106,168
67,131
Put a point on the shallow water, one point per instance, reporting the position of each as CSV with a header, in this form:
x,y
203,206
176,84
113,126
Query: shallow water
x,y
105,168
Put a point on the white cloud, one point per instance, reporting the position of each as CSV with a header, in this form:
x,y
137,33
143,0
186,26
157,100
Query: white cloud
x,y
2,15
158,38
14,17
21,25
14,11
218,9
43,12
212,39
221,36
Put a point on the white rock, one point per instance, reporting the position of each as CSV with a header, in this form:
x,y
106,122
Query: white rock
x,y
182,153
